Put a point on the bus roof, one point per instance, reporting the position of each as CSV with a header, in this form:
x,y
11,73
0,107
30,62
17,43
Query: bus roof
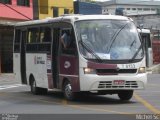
x,y
72,18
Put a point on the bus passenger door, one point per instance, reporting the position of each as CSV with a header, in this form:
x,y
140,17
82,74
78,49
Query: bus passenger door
x,y
68,59
23,57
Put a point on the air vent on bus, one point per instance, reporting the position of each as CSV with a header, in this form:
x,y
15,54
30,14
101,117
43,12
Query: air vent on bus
x,y
108,84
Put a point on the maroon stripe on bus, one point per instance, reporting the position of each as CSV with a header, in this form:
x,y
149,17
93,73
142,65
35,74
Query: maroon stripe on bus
x,y
49,71
95,65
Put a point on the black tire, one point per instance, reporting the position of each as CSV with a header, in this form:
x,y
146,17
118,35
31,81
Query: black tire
x,y
34,88
43,91
67,90
125,95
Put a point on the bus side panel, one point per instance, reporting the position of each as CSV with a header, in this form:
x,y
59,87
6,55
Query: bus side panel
x,y
36,66
16,67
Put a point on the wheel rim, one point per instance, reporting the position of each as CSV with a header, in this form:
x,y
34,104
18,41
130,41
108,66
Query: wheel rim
x,y
68,91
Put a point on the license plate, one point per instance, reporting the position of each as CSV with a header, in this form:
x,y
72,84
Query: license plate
x,y
119,82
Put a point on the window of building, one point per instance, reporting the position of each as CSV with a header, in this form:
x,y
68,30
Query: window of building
x,y
133,8
23,3
66,11
55,11
6,1
146,9
128,8
43,6
152,9
139,8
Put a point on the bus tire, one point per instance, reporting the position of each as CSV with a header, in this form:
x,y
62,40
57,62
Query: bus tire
x,y
67,90
43,91
34,88
125,95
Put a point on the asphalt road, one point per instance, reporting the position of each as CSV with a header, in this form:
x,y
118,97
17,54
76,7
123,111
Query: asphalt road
x,y
17,99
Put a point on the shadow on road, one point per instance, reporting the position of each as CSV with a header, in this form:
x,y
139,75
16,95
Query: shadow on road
x,y
83,99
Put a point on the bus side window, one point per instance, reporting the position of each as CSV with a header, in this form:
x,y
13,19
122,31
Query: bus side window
x,y
45,39
45,35
17,41
33,35
32,39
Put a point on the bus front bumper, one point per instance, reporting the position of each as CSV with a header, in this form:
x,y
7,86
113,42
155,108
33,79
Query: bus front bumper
x,y
89,82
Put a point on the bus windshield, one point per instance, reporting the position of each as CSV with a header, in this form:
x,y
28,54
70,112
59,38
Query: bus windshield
x,y
109,40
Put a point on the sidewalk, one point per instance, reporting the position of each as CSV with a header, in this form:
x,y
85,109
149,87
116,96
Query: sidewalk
x,y
8,79
154,69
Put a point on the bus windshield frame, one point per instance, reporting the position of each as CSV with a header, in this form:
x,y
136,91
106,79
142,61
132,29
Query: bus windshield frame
x,y
109,40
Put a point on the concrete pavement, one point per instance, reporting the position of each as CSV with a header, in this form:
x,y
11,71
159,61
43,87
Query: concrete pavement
x,y
8,79
154,69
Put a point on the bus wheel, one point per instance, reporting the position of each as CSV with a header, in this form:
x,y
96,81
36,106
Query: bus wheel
x,y
67,89
125,95
34,89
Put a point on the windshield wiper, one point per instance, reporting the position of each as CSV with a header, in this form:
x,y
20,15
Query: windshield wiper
x,y
115,36
136,53
90,50
132,43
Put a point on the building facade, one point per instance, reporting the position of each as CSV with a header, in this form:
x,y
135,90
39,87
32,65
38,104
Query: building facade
x,y
87,8
131,8
52,8
11,11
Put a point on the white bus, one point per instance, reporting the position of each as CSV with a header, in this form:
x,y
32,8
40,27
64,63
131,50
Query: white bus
x,y
104,55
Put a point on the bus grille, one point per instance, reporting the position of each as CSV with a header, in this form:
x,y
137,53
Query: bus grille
x,y
108,84
114,71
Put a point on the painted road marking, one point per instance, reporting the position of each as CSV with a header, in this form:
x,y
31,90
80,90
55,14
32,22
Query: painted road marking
x,y
146,104
2,87
65,102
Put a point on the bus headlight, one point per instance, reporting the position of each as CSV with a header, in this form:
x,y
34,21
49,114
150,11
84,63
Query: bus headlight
x,y
89,71
142,70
